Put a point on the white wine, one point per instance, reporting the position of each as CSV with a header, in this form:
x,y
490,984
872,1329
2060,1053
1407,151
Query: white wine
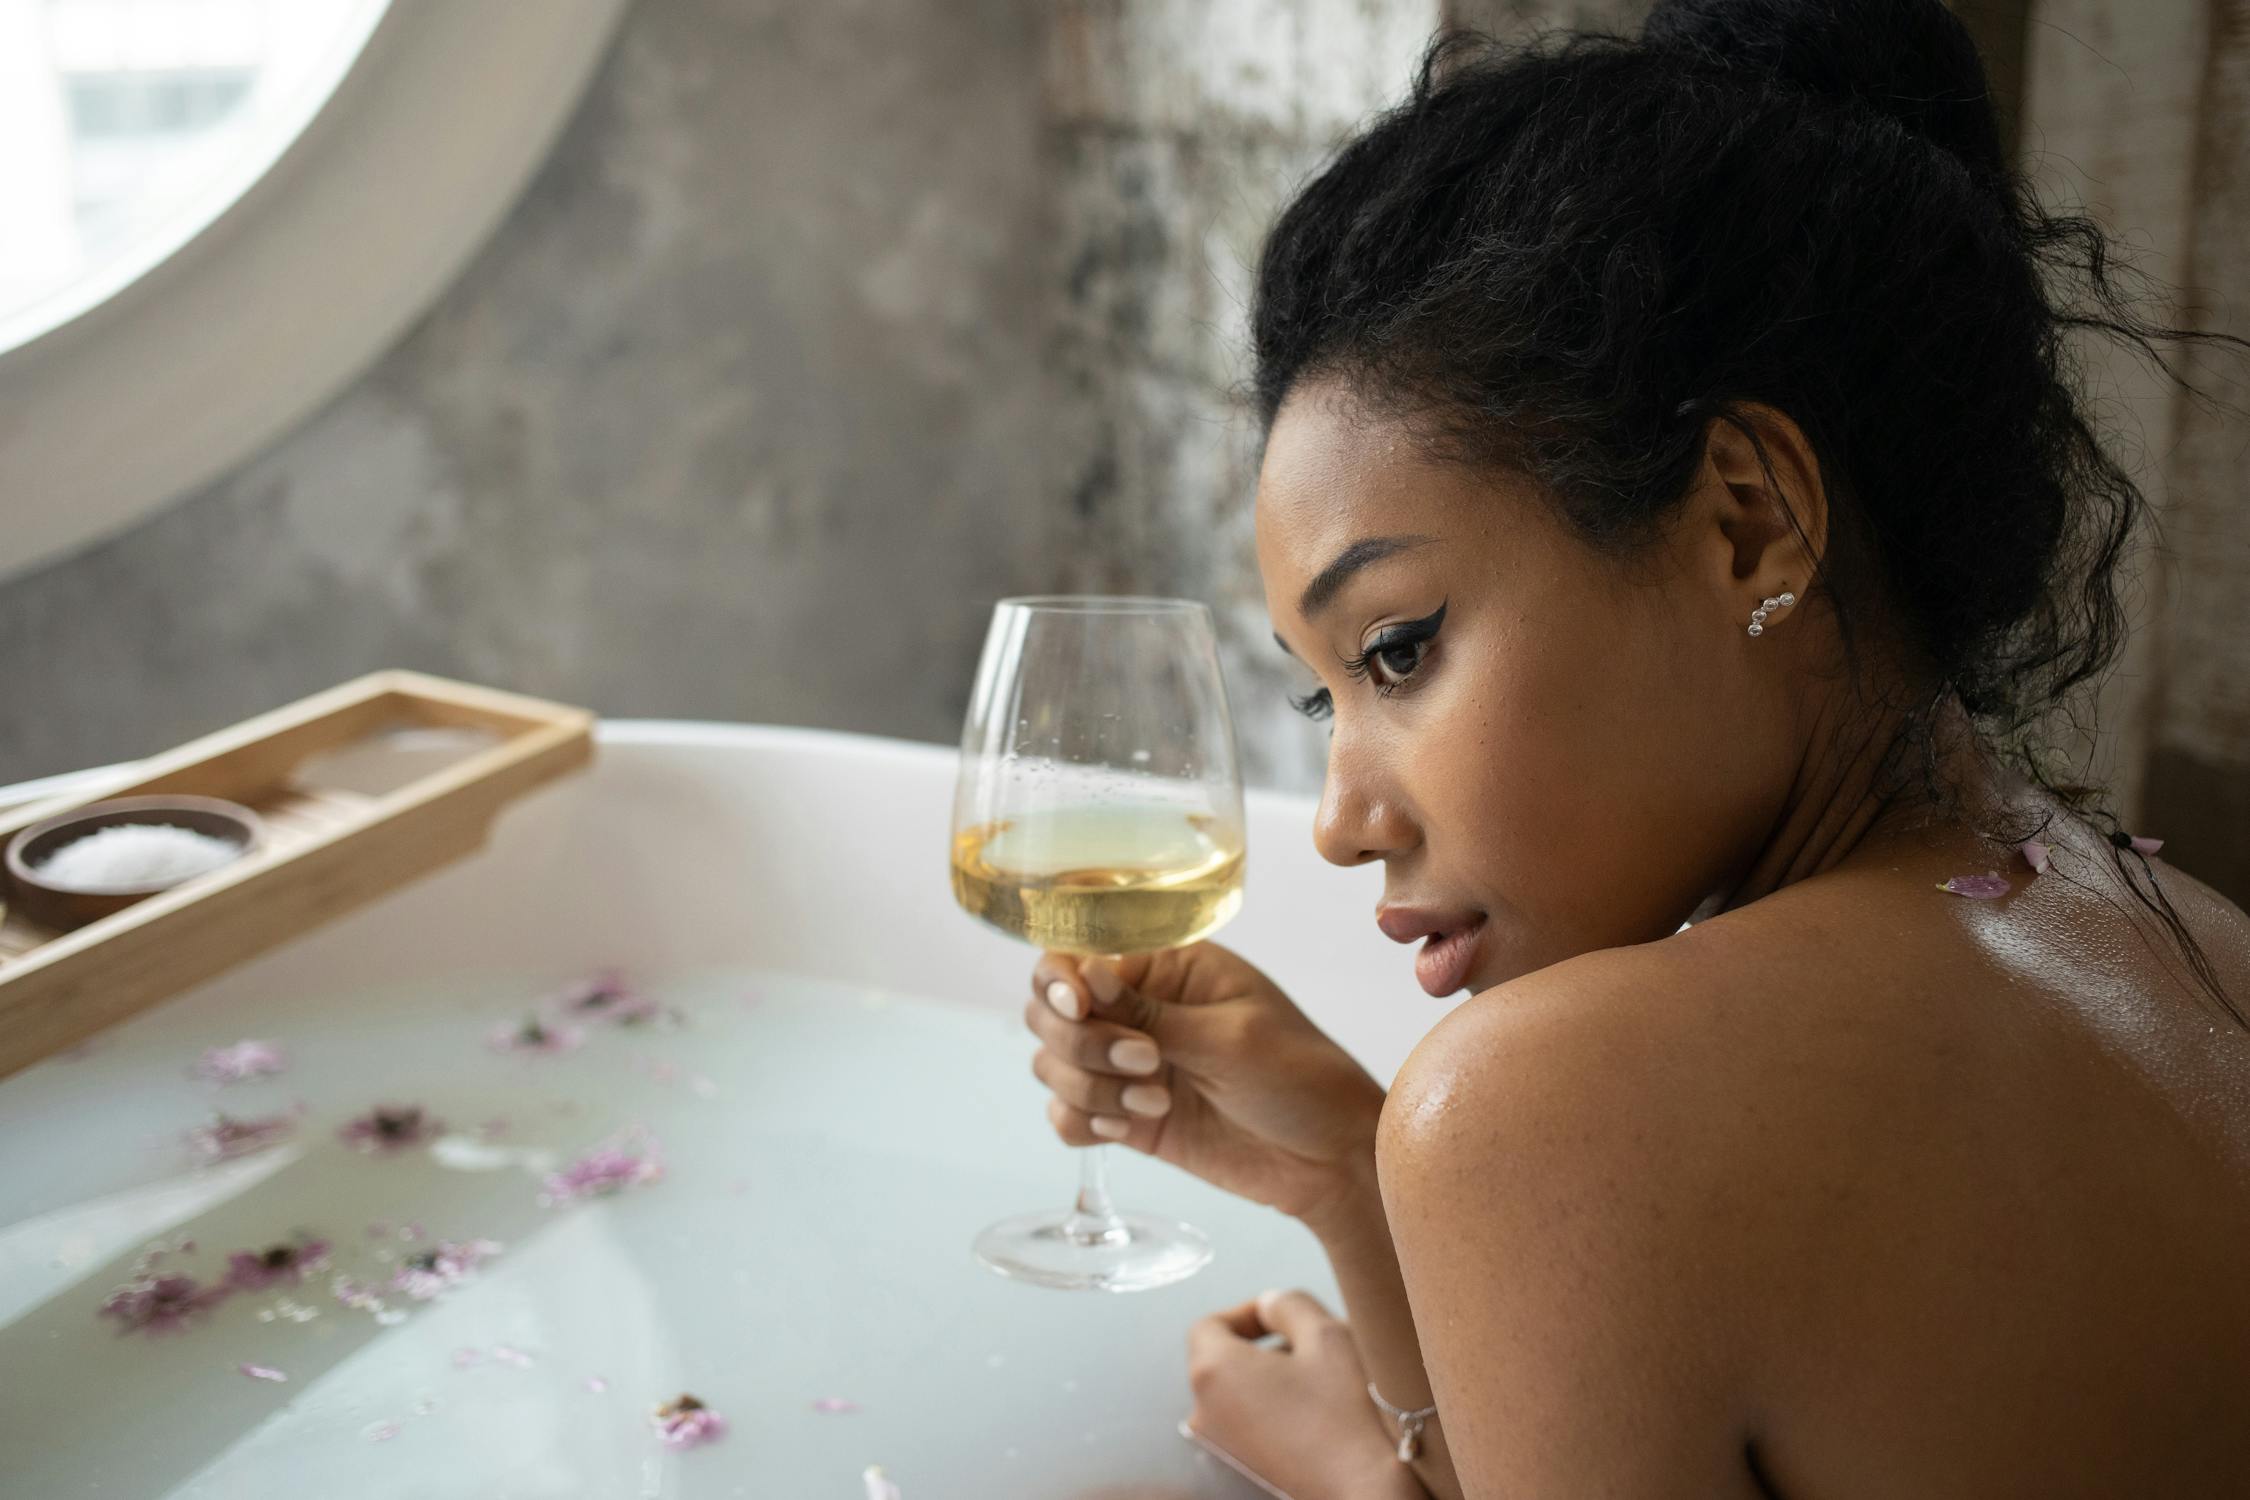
x,y
1101,879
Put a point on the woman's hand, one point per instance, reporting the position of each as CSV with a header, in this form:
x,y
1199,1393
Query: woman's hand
x,y
1194,1057
1297,1416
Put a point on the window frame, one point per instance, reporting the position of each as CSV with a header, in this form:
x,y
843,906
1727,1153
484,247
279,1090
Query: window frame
x,y
277,303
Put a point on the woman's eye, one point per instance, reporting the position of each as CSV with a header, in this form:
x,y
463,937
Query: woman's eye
x,y
1390,665
1313,705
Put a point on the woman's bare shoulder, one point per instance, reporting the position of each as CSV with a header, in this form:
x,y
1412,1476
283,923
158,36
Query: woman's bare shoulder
x,y
1846,1118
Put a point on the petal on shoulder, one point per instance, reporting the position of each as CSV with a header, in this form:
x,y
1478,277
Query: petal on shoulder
x,y
1571,1180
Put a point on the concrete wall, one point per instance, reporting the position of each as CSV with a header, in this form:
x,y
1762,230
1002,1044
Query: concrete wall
x,y
2141,116
1175,129
2197,782
739,415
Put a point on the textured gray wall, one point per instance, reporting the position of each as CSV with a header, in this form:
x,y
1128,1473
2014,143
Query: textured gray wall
x,y
1175,131
825,326
740,415
2198,771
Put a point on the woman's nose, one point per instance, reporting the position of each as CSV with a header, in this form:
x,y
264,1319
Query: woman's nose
x,y
1357,820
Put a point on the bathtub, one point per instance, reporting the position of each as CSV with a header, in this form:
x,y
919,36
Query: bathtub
x,y
834,1090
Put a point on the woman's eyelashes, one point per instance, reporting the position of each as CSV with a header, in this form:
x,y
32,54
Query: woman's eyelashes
x,y
1388,660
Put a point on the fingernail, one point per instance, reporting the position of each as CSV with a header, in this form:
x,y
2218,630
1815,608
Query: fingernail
x,y
1133,1055
1112,1128
1266,1300
1102,980
1151,1099
1064,999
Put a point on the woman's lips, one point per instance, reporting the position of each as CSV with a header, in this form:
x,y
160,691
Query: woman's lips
x,y
1445,960
1442,967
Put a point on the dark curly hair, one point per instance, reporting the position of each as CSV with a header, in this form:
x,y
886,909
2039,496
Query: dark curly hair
x,y
1568,256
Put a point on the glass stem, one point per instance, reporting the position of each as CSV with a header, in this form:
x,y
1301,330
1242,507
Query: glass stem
x,y
1092,1221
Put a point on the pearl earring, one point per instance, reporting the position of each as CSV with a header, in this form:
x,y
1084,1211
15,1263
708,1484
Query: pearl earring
x,y
1758,615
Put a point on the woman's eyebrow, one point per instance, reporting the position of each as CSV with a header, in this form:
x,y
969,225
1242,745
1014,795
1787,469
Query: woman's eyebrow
x,y
1329,581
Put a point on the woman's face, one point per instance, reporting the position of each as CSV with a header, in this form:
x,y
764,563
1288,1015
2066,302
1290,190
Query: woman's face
x,y
1551,750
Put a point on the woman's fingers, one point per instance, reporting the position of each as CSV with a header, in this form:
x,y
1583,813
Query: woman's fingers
x,y
1096,1046
1100,1093
1194,1036
1296,1315
1217,1337
1078,1128
1056,980
1240,1320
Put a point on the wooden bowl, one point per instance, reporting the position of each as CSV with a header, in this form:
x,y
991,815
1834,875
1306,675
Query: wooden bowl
x,y
63,907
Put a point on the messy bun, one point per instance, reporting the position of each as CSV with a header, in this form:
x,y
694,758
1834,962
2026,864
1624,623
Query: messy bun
x,y
1914,63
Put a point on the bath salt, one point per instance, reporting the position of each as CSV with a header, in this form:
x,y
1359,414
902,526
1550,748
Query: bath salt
x,y
135,854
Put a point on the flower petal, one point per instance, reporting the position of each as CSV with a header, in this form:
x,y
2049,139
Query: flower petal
x,y
2147,846
535,1035
262,1372
685,1422
1978,887
390,1127
224,1137
2035,854
244,1060
834,1403
609,1168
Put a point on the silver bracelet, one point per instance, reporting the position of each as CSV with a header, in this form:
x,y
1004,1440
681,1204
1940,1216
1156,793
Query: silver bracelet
x,y
1409,1424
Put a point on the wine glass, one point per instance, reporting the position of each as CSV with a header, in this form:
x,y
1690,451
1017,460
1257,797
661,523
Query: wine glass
x,y
1098,811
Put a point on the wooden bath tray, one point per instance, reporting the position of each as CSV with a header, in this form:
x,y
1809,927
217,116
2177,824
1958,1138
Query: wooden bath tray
x,y
327,848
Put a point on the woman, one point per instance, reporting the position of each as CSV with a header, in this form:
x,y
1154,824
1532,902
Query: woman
x,y
1673,483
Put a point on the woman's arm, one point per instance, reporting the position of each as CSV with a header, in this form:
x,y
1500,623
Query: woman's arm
x,y
1353,1230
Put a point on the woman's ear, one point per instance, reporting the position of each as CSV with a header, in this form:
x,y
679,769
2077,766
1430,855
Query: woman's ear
x,y
1759,510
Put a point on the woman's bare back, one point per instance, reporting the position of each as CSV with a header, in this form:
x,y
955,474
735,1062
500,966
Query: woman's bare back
x,y
2025,1216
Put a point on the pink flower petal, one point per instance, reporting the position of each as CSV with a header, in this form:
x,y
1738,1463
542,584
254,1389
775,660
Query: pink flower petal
x,y
261,1372
224,1137
610,1168
239,1063
382,1432
445,1265
596,1384
277,1265
2035,855
2147,846
509,1354
1978,887
463,1358
834,1403
685,1422
390,1127
606,996
161,1304
534,1036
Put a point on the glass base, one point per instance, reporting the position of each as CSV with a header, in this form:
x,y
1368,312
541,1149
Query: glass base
x,y
1081,1253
